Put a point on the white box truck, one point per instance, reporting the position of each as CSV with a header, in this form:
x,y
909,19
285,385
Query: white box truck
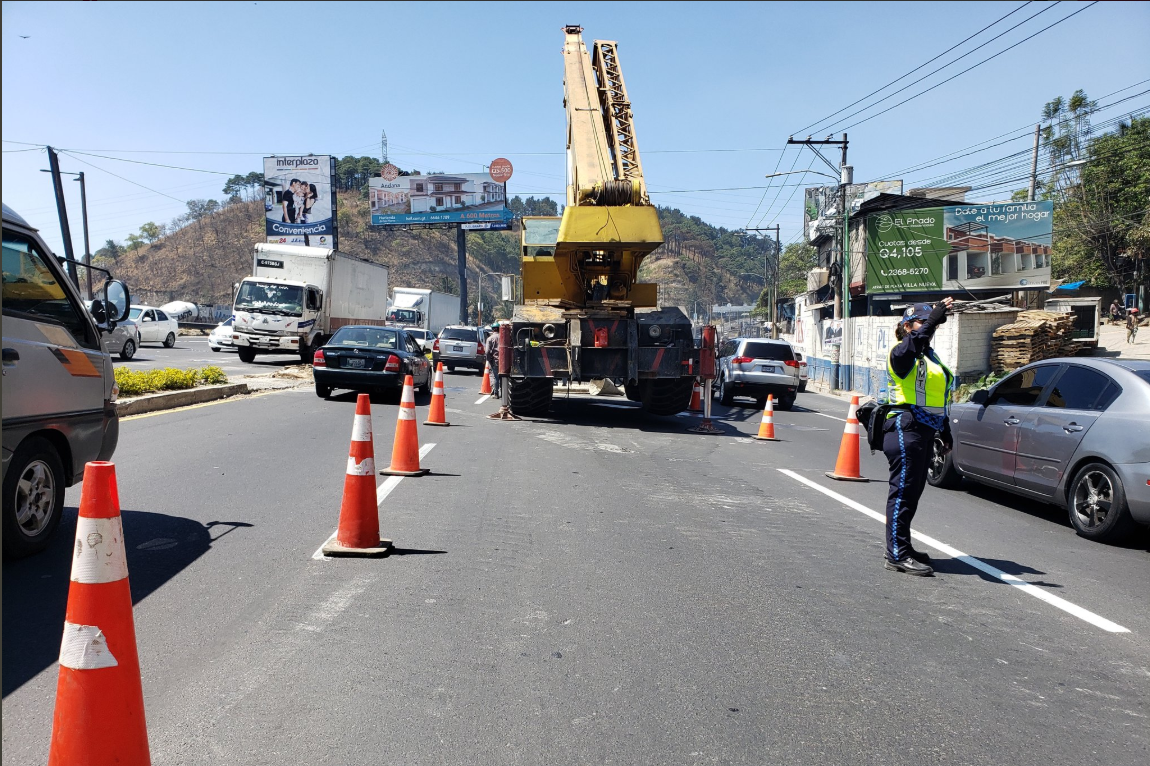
x,y
298,296
423,309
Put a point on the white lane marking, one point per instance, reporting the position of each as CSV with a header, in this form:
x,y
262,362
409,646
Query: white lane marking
x,y
483,398
816,412
616,406
381,493
334,606
982,566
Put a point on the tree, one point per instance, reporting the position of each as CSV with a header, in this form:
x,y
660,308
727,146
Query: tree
x,y
111,250
798,259
1100,221
151,232
198,208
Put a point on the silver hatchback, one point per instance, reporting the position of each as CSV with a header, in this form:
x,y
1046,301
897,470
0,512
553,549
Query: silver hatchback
x,y
1073,432
757,367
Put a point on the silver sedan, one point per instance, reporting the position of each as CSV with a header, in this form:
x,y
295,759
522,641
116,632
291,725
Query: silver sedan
x,y
1073,432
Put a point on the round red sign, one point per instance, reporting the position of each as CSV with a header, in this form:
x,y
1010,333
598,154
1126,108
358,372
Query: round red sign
x,y
500,170
389,172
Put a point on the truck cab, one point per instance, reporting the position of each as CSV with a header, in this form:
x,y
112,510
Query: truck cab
x,y
276,316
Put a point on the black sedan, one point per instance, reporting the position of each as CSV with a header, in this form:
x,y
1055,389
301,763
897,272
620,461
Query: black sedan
x,y
367,358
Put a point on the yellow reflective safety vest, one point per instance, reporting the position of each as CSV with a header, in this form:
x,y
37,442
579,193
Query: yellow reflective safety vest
x,y
927,386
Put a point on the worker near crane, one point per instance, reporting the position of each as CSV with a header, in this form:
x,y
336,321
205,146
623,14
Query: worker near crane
x,y
920,386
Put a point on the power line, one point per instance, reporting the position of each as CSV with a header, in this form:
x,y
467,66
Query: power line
x,y
128,180
1013,46
920,66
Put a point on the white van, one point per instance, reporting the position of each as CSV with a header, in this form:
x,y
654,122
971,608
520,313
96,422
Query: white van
x,y
59,390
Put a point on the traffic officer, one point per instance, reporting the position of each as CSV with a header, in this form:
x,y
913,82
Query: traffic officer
x,y
919,392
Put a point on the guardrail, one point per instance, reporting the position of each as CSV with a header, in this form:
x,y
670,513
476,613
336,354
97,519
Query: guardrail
x,y
209,326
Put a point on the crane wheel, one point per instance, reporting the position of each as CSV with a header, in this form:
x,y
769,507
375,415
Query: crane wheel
x,y
666,396
530,396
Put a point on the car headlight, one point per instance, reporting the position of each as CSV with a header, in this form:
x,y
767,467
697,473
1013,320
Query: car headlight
x,y
654,331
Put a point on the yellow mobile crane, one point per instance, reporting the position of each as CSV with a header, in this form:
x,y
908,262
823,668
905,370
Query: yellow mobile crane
x,y
584,315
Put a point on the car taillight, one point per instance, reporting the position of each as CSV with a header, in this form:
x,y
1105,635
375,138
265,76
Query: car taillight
x,y
318,360
392,364
790,363
435,345
742,360
479,349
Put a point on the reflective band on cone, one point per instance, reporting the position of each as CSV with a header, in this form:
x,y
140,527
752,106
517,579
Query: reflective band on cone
x,y
99,716
437,415
405,450
358,533
847,464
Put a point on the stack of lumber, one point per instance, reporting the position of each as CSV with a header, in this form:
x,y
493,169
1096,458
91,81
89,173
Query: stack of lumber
x,y
1033,336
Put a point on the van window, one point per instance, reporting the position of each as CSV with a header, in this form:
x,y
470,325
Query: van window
x,y
33,291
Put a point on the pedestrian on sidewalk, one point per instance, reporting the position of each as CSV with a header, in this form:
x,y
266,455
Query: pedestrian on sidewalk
x,y
920,386
1131,325
1115,312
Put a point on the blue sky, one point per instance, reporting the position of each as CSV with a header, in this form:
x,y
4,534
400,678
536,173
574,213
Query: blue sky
x,y
215,86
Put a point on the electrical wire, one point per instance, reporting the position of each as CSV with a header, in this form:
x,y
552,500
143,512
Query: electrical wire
x,y
920,66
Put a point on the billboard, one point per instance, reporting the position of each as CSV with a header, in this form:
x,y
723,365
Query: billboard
x,y
959,247
299,204
437,198
820,204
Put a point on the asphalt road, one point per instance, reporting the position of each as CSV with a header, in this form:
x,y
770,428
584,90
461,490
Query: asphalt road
x,y
603,587
193,351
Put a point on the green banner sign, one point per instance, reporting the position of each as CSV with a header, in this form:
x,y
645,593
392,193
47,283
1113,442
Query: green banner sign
x,y
960,247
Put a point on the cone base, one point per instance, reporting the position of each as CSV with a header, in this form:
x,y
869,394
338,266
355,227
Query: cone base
x,y
333,548
504,413
766,439
835,476
705,428
389,471
429,423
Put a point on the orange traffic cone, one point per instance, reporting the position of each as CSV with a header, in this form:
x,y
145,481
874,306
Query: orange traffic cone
x,y
405,450
486,387
358,533
847,465
767,426
696,398
438,414
99,700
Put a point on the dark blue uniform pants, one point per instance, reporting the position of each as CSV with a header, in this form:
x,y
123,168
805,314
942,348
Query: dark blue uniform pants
x,y
907,445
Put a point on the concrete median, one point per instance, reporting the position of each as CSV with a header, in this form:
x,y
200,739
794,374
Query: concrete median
x,y
167,400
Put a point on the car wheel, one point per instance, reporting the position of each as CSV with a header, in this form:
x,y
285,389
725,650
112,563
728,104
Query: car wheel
x,y
803,387
170,340
425,387
723,393
940,471
322,392
1097,504
33,497
129,349
247,355
449,367
786,401
214,348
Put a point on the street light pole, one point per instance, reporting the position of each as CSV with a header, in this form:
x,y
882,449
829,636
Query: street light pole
x,y
87,247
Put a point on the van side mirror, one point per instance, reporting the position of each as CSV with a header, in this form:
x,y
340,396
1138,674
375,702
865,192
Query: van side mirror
x,y
980,397
99,313
117,301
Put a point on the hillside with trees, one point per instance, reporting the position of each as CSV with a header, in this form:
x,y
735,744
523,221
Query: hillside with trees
x,y
199,255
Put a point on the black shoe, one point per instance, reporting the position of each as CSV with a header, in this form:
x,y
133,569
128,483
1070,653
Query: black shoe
x,y
909,566
919,556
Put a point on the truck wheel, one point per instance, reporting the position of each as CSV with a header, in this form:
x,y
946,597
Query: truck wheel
x,y
33,497
530,396
129,350
305,353
666,396
247,354
170,341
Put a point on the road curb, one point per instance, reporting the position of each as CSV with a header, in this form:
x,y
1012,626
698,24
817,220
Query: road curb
x,y
166,400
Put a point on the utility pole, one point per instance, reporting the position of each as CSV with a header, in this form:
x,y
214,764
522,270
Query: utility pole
x,y
62,210
842,308
87,247
1034,166
461,249
772,283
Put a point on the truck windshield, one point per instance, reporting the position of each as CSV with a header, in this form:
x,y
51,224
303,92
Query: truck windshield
x,y
270,298
404,316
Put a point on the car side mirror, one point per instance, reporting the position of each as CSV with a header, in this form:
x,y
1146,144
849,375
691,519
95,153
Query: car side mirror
x,y
980,397
99,313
